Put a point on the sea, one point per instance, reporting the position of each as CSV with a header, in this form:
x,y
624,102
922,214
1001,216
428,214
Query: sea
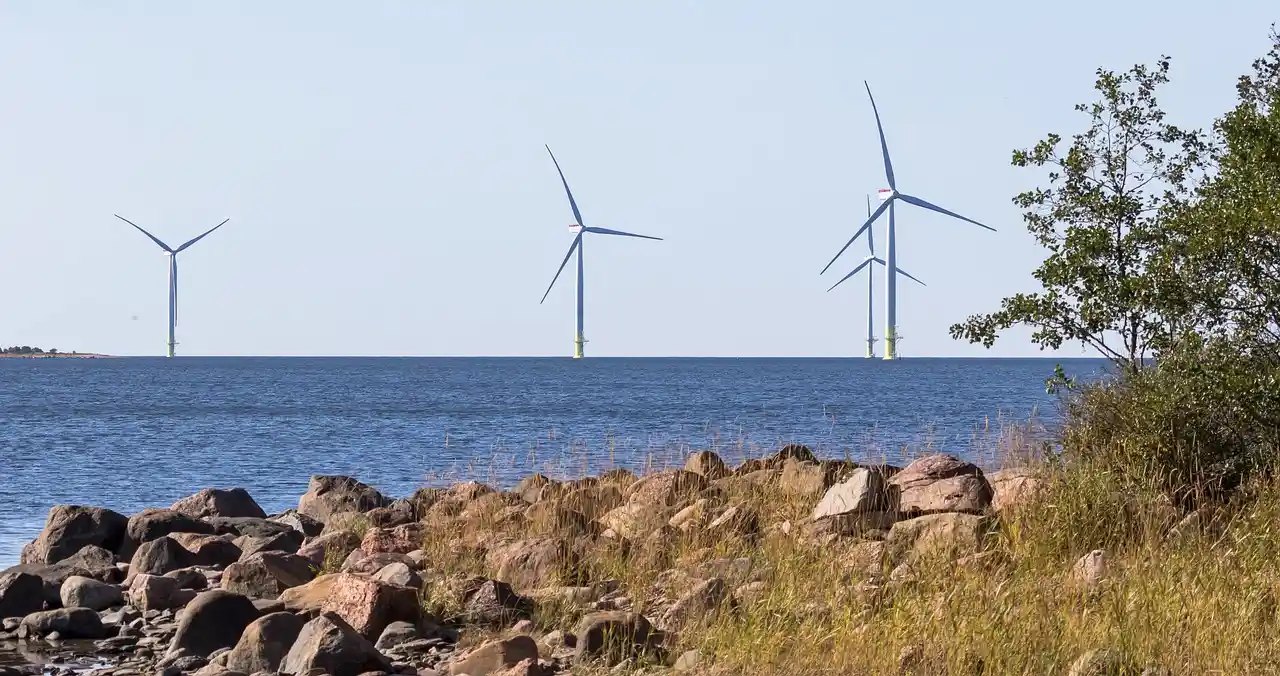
x,y
131,433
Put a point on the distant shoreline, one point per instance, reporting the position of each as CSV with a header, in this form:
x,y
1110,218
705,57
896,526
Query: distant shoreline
x,y
60,355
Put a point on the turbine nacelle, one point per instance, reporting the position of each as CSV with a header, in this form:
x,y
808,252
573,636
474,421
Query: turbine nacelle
x,y
575,228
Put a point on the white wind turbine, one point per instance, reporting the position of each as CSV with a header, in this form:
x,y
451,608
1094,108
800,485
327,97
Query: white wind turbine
x,y
888,197
173,272
871,298
579,229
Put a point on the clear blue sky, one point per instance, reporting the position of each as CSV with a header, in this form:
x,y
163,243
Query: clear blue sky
x,y
383,168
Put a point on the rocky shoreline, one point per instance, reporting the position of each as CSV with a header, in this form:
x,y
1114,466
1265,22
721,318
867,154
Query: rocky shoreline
x,y
465,579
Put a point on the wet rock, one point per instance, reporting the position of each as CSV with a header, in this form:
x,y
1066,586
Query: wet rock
x,y
214,620
368,605
327,643
20,594
150,524
84,592
288,542
706,464
70,528
68,622
336,545
219,502
941,483
396,634
266,574
399,574
612,637
494,656
328,495
298,521
265,643
160,556
209,550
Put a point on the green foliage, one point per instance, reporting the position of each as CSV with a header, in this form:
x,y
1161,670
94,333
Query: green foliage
x,y
1109,196
24,350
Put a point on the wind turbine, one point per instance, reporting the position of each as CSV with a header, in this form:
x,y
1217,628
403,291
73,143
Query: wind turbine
x,y
888,197
871,258
173,270
579,229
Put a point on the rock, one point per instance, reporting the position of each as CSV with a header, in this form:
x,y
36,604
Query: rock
x,y
368,605
550,517
398,513
209,550
153,592
311,596
528,564
90,561
941,483
336,545
287,542
1103,662
1090,570
265,643
84,592
268,606
21,594
398,540
68,622
266,574
526,667
863,492
150,524
806,478
698,603
707,464
635,521
70,528
399,574
494,656
189,578
1012,487
495,604
298,521
736,521
687,661
395,634
592,502
160,556
666,489
239,526
611,637
214,620
950,533
328,495
530,488
219,502
368,564
697,515
328,644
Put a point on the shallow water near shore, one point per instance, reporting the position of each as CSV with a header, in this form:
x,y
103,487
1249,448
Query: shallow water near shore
x,y
134,433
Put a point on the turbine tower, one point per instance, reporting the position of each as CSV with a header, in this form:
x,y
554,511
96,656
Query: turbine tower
x,y
888,197
579,229
871,258
173,272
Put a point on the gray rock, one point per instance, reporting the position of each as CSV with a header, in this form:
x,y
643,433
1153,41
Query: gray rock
x,y
68,622
399,573
396,634
329,644
153,593
327,495
160,556
863,492
251,526
265,643
215,619
20,594
287,542
495,656
218,502
612,637
189,578
70,528
337,545
298,521
84,592
150,524
266,574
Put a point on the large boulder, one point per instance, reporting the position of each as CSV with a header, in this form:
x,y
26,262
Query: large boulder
x,y
865,497
209,550
287,542
530,488
214,620
941,483
707,464
219,502
334,546
160,556
952,533
84,592
672,489
91,561
70,528
20,594
494,656
265,643
399,574
534,563
150,524
612,637
247,525
331,646
266,574
796,452
1012,487
298,521
68,622
327,495
369,605
155,592
310,597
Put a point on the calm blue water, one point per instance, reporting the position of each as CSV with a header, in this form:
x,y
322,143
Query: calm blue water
x,y
134,433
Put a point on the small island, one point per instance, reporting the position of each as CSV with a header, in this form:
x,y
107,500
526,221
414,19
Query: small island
x,y
28,352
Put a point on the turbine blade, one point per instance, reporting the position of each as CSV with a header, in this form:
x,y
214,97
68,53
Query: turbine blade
x,y
572,247
606,231
153,237
206,234
568,192
933,207
855,271
876,214
908,275
884,147
173,289
871,232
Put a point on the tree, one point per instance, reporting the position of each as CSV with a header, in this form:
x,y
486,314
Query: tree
x,y
1102,219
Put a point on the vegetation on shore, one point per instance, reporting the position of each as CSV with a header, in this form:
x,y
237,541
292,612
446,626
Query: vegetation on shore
x,y
26,351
